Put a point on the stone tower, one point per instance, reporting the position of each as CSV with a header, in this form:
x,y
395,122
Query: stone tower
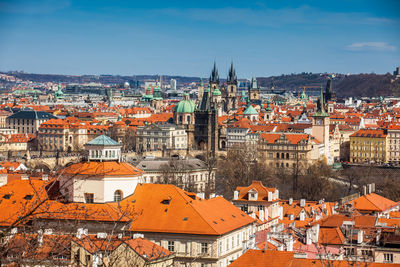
x,y
214,78
254,92
230,92
320,125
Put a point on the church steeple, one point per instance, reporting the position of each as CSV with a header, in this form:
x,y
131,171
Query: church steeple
x,y
214,78
253,84
321,106
232,75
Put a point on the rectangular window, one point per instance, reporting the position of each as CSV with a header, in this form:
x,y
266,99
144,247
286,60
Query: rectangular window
x,y
89,197
204,248
388,257
171,246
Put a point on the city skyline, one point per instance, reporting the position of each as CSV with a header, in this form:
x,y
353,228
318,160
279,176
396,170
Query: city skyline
x,y
180,38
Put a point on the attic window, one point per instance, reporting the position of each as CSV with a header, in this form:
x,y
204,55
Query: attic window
x,y
215,222
166,201
7,196
222,219
185,219
28,197
233,216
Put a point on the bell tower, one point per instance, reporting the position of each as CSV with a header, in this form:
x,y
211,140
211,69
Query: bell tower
x,y
214,78
231,89
320,125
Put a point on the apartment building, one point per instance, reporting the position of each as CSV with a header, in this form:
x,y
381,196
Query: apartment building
x,y
393,140
28,121
289,150
159,136
201,232
368,145
62,135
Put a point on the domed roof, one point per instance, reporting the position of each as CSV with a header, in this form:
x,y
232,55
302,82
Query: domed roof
x,y
250,111
185,106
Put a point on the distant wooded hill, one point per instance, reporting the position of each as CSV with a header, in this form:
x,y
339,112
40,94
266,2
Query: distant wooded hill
x,y
344,85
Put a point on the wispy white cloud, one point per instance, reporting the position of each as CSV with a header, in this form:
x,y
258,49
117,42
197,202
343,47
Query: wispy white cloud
x,y
371,46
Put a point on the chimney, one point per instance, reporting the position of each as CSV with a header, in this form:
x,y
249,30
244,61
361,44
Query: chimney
x,y
79,233
302,215
364,190
45,177
261,215
276,194
372,187
200,195
360,236
236,195
269,196
369,188
40,237
308,237
291,217
289,243
290,201
302,202
266,214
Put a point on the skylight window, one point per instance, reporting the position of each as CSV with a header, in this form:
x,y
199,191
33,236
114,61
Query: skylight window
x,y
166,201
8,196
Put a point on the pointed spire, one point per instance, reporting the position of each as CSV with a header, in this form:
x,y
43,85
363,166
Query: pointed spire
x,y
232,75
253,84
201,83
214,78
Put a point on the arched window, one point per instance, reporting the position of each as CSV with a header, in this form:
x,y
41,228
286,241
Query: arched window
x,y
287,155
277,155
282,155
188,119
117,196
106,153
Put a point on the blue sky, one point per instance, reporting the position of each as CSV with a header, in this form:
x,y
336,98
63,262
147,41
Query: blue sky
x,y
174,37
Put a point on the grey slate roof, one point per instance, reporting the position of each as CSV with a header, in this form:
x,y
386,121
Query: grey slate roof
x,y
181,164
102,140
32,114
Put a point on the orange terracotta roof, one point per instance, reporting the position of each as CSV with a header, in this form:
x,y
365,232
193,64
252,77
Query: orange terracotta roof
x,y
105,168
167,208
372,202
20,138
369,133
259,187
270,138
274,258
331,236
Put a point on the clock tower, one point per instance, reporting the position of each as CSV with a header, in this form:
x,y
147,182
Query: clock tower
x,y
320,125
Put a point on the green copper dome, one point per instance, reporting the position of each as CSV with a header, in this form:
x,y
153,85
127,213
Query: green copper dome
x,y
185,106
250,111
216,92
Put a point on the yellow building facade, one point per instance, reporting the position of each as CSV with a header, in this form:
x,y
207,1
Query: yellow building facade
x,y
368,145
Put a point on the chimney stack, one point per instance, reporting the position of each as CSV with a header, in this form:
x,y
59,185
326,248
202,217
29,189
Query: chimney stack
x,y
236,195
290,201
360,236
302,202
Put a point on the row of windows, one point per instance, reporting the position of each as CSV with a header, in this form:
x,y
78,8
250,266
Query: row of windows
x,y
99,154
118,195
22,121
